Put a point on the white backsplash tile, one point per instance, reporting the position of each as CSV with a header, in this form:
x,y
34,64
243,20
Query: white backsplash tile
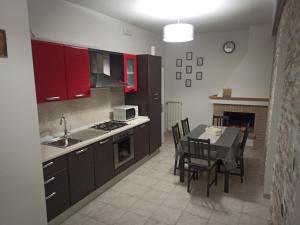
x,y
79,112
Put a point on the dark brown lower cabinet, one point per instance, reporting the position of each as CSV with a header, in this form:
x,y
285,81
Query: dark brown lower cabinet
x,y
57,201
81,173
104,161
141,141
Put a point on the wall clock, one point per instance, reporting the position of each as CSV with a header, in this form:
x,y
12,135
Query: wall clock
x,y
229,47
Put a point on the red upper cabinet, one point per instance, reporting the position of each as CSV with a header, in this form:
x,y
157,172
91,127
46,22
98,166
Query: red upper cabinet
x,y
49,71
77,72
130,73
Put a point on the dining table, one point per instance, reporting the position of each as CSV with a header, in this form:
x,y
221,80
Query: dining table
x,y
225,146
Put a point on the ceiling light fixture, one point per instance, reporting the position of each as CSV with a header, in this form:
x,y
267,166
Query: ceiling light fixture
x,y
178,32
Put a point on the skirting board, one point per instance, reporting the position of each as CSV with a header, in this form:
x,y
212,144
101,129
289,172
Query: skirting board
x,y
73,209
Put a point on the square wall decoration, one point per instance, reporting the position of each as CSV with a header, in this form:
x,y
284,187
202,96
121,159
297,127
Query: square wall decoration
x,y
178,62
178,75
188,82
3,45
188,69
200,61
199,76
189,56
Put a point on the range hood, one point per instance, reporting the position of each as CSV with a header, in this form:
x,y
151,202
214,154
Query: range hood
x,y
100,71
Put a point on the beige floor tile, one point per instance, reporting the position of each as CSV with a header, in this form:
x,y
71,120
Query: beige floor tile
x,y
166,215
198,210
176,201
144,207
252,220
164,186
108,196
133,189
190,219
155,196
256,209
123,201
142,180
154,222
92,208
79,219
131,218
108,214
228,218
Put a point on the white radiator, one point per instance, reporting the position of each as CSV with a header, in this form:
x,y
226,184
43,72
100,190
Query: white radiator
x,y
174,114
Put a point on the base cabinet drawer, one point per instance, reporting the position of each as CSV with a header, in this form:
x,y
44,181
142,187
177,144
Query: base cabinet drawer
x,y
55,181
57,202
53,166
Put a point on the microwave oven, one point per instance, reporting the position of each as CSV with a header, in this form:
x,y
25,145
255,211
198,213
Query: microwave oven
x,y
125,112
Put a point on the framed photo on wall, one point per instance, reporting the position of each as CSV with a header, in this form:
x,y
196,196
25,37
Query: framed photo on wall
x,y
199,61
188,69
178,62
189,56
198,75
178,75
188,82
3,45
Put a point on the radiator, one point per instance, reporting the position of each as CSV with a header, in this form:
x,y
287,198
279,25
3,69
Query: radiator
x,y
174,114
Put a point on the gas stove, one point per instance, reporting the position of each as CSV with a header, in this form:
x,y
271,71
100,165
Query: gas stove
x,y
109,126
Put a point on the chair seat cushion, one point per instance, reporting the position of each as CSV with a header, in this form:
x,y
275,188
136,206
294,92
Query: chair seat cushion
x,y
201,162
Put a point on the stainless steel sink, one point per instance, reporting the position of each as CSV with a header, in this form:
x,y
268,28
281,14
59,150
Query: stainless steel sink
x,y
62,142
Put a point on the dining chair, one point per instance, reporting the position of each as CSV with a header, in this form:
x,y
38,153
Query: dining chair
x,y
185,126
176,138
200,158
220,120
240,156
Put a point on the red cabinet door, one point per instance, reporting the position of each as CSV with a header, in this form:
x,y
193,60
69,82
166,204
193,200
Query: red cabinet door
x,y
77,72
130,73
49,71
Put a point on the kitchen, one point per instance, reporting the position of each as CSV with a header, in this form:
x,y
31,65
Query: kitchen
x,y
85,124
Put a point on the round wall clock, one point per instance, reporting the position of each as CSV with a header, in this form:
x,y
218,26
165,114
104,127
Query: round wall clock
x,y
229,47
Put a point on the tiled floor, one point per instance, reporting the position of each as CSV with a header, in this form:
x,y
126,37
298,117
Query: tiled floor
x,y
152,195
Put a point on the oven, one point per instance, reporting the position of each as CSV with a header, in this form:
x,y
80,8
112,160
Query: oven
x,y
123,147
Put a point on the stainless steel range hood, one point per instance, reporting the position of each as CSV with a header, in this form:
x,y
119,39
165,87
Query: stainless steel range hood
x,y
100,71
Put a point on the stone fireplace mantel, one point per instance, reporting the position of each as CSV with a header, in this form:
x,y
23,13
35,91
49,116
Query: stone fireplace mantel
x,y
239,100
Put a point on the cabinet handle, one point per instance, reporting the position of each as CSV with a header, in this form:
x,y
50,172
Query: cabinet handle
x,y
52,98
142,126
50,196
156,98
79,95
103,142
49,180
156,94
48,164
81,151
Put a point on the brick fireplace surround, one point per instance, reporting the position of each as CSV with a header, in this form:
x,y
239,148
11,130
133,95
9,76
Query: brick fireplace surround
x,y
260,118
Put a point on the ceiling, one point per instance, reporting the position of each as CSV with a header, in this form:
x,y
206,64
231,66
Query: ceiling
x,y
205,15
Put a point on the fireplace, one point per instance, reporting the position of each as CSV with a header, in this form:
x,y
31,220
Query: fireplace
x,y
241,119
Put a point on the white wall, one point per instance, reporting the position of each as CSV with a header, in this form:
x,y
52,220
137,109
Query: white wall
x,y
62,21
22,200
247,71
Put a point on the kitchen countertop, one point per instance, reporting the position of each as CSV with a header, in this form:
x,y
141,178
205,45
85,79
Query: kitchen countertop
x,y
49,152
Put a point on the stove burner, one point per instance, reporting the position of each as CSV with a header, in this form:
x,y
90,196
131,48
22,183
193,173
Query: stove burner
x,y
109,126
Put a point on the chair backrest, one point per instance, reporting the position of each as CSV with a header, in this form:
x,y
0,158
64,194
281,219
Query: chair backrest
x,y
176,135
244,140
220,120
199,149
185,126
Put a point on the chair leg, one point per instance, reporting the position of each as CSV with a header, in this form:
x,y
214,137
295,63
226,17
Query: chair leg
x,y
216,175
208,181
175,166
189,180
242,169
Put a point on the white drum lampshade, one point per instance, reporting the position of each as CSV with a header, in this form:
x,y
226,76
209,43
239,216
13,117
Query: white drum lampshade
x,y
178,32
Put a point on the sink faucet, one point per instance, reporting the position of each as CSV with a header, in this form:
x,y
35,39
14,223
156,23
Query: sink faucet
x,y
63,119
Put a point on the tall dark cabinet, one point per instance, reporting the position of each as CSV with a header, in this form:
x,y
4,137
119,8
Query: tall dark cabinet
x,y
148,96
